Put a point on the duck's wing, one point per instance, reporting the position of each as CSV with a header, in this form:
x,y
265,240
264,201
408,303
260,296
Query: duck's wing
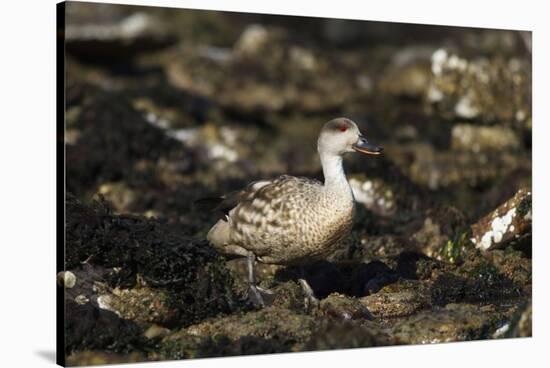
x,y
267,198
228,201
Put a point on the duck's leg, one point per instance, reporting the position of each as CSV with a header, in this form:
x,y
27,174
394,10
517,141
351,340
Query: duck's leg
x,y
254,291
310,300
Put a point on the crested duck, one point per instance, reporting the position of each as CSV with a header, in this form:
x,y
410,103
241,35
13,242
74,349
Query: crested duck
x,y
293,220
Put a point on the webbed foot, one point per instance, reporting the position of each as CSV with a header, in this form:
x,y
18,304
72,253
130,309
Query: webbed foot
x,y
259,297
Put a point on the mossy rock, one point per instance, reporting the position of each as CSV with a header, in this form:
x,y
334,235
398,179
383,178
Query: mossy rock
x,y
193,274
268,330
456,322
346,335
478,280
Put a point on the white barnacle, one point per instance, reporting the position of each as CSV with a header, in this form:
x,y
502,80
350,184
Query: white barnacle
x,y
439,57
486,241
499,227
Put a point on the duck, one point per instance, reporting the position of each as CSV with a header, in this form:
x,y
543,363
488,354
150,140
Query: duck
x,y
293,220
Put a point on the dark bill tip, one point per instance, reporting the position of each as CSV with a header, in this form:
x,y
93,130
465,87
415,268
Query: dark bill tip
x,y
367,148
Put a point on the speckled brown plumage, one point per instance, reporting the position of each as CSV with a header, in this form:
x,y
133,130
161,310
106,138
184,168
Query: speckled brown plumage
x,y
294,220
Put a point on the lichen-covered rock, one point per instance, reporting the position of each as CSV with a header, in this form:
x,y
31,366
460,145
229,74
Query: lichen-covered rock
x,y
455,322
514,265
519,324
437,169
265,331
470,137
268,323
140,304
440,225
409,81
347,335
99,40
343,308
374,194
289,295
94,357
476,280
398,300
370,248
490,90
525,323
509,223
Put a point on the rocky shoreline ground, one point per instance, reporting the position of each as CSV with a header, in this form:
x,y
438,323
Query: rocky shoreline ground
x,y
163,109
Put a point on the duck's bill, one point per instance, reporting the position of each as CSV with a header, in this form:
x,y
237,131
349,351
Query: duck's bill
x,y
367,148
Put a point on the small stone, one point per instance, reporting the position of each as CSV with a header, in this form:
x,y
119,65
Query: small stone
x,y
509,222
252,39
67,279
81,299
156,331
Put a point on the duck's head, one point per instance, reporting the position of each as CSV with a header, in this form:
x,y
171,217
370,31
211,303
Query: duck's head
x,y
342,135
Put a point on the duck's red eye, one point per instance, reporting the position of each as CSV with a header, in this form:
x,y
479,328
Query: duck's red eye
x,y
343,129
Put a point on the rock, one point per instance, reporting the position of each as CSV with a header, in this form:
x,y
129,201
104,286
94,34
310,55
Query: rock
x,y
374,194
517,325
140,304
155,331
434,238
398,300
468,137
268,330
94,357
187,280
476,280
252,40
489,90
114,140
81,299
430,237
347,335
371,248
455,322
525,323
289,295
436,169
344,308
509,223
514,265
118,40
409,81
66,279
88,327
119,194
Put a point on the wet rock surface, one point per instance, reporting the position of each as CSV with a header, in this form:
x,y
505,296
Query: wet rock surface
x,y
509,223
440,249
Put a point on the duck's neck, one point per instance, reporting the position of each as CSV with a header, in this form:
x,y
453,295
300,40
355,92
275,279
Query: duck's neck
x,y
333,171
